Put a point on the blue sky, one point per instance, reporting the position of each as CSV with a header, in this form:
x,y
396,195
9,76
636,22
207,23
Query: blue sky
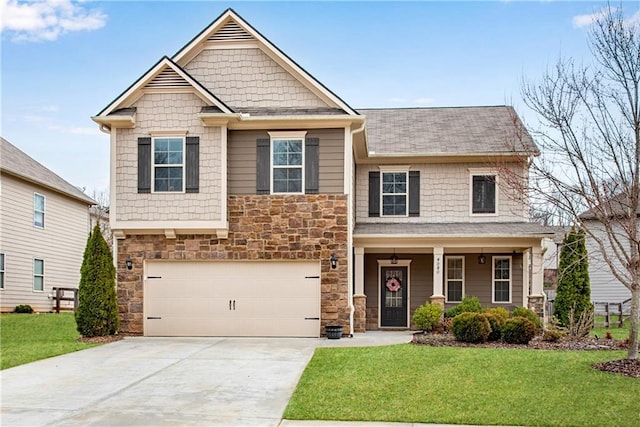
x,y
63,61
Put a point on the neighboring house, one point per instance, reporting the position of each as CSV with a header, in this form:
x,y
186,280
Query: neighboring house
x,y
45,223
100,215
605,287
249,199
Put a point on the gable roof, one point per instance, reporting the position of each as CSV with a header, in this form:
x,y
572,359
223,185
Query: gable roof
x,y
446,131
165,74
618,206
231,26
15,162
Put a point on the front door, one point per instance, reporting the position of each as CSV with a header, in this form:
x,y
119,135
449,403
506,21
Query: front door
x,y
393,291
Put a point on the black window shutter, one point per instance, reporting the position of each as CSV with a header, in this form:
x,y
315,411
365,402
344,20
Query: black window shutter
x,y
374,193
311,159
193,164
414,193
144,165
263,164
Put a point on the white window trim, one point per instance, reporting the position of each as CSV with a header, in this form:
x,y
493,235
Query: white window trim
x,y
493,279
44,209
446,277
288,136
406,194
483,172
153,163
3,270
33,285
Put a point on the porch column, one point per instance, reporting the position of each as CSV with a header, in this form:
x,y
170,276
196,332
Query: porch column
x,y
526,276
359,298
536,296
438,293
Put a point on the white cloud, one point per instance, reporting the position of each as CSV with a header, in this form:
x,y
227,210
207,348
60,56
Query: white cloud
x,y
397,100
424,101
50,108
580,21
93,130
47,19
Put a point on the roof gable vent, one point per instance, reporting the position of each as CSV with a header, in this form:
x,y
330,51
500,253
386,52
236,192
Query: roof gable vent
x,y
231,32
167,78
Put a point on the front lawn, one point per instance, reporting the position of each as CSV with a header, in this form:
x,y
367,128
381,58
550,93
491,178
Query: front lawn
x,y
619,333
26,338
411,383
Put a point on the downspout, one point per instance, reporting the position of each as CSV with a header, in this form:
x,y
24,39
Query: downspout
x,y
352,307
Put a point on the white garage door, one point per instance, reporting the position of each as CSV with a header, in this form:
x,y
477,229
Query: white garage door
x,y
279,299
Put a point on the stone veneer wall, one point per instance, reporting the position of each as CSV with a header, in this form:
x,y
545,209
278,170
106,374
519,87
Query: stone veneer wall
x,y
297,227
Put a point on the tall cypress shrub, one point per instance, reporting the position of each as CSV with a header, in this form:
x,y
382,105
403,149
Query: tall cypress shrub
x,y
574,289
97,313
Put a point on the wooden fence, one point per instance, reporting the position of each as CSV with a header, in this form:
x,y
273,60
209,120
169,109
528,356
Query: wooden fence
x,y
59,294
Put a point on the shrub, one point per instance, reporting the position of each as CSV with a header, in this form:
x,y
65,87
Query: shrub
x,y
97,313
528,314
518,330
471,327
468,305
446,324
495,322
552,335
23,308
574,291
500,311
427,316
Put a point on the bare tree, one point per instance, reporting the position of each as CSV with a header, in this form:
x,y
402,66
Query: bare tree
x,y
589,140
99,214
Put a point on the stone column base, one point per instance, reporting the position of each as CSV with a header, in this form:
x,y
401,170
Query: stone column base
x,y
536,304
360,314
438,299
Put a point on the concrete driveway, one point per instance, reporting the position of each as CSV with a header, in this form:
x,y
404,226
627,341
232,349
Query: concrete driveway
x,y
166,382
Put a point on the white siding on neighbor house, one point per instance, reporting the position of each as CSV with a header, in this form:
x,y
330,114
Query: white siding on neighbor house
x,y
168,111
60,243
248,78
445,190
604,286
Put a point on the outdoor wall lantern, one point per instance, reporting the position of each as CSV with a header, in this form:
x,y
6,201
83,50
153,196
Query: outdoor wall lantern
x,y
129,263
394,258
334,261
481,258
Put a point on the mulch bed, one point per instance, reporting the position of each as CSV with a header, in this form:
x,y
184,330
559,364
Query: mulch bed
x,y
100,340
630,368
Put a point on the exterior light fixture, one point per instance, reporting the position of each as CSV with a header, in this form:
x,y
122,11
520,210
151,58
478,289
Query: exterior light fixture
x,y
394,258
334,261
481,258
129,263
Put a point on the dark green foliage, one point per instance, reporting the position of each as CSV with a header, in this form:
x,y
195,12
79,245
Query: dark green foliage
x,y
518,330
427,316
495,322
468,305
23,308
528,314
97,313
471,327
574,290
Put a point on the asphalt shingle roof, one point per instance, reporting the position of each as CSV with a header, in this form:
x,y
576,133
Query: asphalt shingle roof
x,y
446,131
455,229
16,162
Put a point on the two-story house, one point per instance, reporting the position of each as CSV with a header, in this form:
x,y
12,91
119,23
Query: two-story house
x,y
44,224
249,199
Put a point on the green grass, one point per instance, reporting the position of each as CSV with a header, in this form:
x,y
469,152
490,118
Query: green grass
x,y
26,338
616,332
410,383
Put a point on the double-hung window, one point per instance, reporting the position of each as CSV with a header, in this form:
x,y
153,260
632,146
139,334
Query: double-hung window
x,y
483,194
38,275
168,165
454,278
1,271
394,193
38,210
287,165
502,279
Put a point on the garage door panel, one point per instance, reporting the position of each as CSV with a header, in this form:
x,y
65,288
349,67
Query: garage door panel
x,y
232,298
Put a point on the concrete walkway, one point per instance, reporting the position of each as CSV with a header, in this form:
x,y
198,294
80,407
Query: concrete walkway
x,y
168,382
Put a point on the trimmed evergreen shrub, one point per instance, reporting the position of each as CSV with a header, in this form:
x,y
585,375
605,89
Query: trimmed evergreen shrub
x,y
97,313
495,322
528,314
471,327
427,316
23,308
551,335
574,290
499,311
518,330
468,305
